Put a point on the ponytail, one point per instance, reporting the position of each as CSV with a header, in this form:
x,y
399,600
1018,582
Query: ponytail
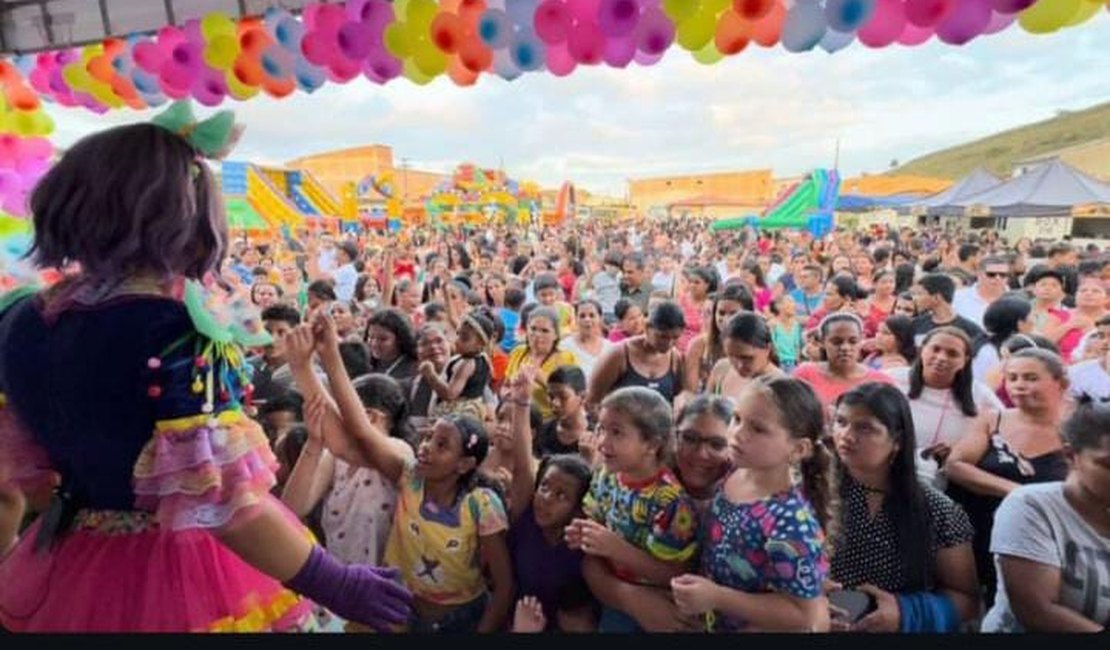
x,y
819,482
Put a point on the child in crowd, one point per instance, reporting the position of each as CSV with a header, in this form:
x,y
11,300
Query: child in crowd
x,y
764,558
786,332
566,389
630,321
511,317
468,373
639,519
549,293
893,345
449,528
543,504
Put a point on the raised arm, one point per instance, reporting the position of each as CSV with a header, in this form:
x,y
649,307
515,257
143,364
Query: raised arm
x,y
524,465
312,475
448,390
606,373
370,439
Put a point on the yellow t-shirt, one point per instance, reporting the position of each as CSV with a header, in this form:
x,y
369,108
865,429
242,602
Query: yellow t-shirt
x,y
437,550
519,356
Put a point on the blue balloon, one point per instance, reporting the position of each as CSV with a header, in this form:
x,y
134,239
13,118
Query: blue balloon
x,y
521,11
527,51
834,40
804,27
504,66
495,29
848,15
309,77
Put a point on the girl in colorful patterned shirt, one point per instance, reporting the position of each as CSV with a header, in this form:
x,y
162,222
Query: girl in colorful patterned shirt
x,y
638,516
449,526
764,558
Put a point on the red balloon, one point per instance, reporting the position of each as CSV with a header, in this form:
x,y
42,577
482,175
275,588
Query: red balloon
x,y
926,13
753,9
733,33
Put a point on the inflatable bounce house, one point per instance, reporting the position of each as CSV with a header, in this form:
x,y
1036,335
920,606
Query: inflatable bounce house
x,y
474,196
807,205
263,198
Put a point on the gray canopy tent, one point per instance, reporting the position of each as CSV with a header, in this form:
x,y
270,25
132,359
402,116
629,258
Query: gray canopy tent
x,y
945,203
1050,190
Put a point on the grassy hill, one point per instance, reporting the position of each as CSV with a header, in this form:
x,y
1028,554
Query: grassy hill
x,y
998,152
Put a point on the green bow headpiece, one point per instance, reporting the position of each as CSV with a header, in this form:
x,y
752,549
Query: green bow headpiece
x,y
213,137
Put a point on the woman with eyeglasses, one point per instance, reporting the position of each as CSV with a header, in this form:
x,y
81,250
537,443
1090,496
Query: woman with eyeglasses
x,y
702,460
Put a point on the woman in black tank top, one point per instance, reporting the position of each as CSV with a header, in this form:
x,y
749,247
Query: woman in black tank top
x,y
639,361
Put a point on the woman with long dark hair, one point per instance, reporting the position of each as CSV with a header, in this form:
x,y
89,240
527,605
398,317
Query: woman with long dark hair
x,y
1002,319
1016,447
392,341
905,544
944,398
749,353
894,346
707,348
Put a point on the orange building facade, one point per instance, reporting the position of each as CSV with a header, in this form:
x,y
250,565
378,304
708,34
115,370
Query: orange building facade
x,y
709,194
337,169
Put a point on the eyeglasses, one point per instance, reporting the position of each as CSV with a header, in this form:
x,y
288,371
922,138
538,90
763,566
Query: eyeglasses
x,y
693,440
995,274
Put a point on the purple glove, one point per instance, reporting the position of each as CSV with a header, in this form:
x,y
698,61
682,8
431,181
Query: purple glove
x,y
360,593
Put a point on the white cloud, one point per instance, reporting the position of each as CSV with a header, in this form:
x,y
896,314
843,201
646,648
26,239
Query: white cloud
x,y
762,108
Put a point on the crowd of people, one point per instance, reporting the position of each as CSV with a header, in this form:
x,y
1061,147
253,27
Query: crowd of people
x,y
641,426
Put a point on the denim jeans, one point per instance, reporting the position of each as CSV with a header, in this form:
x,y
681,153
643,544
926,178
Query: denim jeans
x,y
463,619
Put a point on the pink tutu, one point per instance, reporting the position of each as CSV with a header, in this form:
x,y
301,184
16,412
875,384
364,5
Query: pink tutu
x,y
122,572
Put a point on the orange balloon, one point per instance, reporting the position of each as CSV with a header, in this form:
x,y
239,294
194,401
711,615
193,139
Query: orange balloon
x,y
278,88
21,97
446,32
460,74
768,30
114,46
475,56
8,73
253,41
249,71
733,33
100,68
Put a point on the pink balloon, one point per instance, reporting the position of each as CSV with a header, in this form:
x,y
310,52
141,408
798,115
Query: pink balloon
x,y
209,88
341,69
37,148
551,20
887,22
315,49
927,13
1000,22
655,33
914,35
177,76
149,56
618,17
584,10
40,80
32,169
15,203
1011,6
967,20
559,60
330,17
619,52
586,43
187,56
193,33
170,37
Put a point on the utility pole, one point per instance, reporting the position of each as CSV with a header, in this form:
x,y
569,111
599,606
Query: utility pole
x,y
836,159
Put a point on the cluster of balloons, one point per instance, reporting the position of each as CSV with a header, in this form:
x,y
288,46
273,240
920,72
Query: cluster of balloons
x,y
214,58
25,151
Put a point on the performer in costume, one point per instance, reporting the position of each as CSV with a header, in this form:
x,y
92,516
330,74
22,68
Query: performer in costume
x,y
123,383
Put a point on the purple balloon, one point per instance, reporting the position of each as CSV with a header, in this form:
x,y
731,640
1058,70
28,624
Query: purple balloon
x,y
618,18
356,39
1011,6
645,59
380,66
655,32
967,20
619,52
999,22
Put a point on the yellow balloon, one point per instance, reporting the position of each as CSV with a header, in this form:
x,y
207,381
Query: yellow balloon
x,y
680,10
238,89
715,6
23,123
709,54
103,93
397,40
1087,9
216,24
413,74
221,52
421,12
1047,17
696,31
77,76
429,59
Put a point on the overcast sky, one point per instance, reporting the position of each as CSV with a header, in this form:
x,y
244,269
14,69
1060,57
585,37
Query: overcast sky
x,y
762,108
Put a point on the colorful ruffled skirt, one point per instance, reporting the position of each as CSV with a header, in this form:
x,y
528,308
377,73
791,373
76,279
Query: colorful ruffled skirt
x,y
122,572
